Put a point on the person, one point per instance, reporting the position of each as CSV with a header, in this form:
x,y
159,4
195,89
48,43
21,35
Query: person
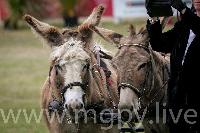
x,y
17,8
183,43
69,13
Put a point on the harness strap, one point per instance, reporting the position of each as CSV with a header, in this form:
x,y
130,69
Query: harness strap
x,y
49,84
154,98
97,49
153,68
105,55
104,73
135,89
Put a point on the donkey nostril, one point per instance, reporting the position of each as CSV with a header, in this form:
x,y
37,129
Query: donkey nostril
x,y
131,109
81,106
66,106
72,44
125,116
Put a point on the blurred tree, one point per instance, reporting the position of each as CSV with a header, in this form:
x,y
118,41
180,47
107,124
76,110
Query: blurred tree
x,y
51,8
69,13
17,9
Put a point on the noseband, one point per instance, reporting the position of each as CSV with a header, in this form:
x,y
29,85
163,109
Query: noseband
x,y
70,85
135,89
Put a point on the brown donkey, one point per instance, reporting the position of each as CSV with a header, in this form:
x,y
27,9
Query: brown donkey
x,y
142,75
76,82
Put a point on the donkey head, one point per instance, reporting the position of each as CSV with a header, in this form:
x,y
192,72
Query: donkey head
x,y
69,56
131,61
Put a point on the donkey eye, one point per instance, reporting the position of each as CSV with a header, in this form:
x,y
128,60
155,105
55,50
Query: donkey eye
x,y
142,66
58,67
84,65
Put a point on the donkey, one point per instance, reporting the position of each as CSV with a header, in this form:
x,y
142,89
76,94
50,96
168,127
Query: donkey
x,y
76,82
142,75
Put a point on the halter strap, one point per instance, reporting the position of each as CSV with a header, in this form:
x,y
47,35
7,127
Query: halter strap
x,y
135,44
135,89
70,85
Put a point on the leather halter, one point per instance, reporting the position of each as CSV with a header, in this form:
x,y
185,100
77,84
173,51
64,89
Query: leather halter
x,y
123,84
138,91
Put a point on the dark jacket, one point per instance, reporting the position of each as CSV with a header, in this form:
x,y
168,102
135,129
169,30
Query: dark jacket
x,y
184,81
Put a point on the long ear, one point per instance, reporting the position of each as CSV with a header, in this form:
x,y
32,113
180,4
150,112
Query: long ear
x,y
92,20
143,31
132,31
109,35
145,37
49,33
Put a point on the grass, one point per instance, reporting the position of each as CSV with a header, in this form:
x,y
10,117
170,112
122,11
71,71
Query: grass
x,y
23,68
24,65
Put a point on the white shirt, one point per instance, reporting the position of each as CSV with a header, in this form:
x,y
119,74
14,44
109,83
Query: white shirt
x,y
191,38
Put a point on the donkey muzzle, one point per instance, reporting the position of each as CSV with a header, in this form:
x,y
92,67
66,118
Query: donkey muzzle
x,y
74,105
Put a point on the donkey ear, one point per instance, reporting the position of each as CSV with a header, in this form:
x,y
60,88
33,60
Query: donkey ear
x,y
109,35
49,33
92,20
132,31
143,31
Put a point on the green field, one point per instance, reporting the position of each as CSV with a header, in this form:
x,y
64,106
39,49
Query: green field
x,y
24,65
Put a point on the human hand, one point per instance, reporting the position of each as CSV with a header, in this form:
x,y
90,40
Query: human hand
x,y
178,4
